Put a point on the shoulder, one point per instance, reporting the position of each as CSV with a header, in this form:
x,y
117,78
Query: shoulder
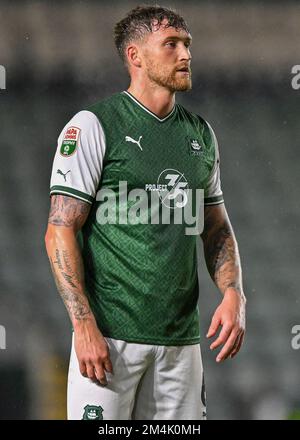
x,y
193,118
83,125
201,124
107,104
83,119
88,116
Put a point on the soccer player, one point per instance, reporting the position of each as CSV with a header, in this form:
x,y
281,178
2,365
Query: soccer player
x,y
131,287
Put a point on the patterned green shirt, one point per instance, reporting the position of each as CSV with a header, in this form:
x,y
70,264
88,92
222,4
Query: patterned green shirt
x,y
141,275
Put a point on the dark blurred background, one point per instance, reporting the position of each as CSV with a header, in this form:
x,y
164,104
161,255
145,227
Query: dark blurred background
x,y
59,58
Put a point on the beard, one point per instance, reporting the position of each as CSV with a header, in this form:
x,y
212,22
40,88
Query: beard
x,y
171,79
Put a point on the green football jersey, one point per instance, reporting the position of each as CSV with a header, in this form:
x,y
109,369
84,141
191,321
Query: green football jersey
x,y
139,172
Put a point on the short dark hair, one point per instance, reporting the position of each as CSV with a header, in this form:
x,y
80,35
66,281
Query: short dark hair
x,y
139,21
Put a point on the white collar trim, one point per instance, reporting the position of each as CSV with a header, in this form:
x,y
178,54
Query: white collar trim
x,y
147,110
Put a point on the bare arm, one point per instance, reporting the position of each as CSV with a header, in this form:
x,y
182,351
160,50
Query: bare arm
x,y
223,263
66,218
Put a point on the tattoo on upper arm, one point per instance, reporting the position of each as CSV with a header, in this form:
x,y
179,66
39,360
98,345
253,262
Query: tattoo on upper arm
x,y
66,210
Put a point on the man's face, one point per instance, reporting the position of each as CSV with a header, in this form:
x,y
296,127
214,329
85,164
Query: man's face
x,y
167,57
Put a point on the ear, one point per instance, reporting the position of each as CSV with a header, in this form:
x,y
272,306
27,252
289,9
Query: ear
x,y
133,55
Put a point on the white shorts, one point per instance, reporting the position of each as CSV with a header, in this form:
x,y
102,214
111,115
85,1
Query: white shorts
x,y
150,382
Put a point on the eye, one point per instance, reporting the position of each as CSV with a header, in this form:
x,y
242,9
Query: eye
x,y
171,44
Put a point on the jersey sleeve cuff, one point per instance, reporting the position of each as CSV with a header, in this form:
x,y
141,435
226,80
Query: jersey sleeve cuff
x,y
65,190
214,200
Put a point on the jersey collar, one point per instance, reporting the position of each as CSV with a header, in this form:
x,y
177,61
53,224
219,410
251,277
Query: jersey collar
x,y
147,110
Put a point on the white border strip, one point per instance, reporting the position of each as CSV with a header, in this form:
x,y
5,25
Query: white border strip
x,y
58,191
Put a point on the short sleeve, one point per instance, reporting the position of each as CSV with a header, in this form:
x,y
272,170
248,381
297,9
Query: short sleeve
x,y
78,161
213,194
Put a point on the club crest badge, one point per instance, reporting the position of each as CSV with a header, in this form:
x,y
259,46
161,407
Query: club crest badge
x,y
195,147
92,412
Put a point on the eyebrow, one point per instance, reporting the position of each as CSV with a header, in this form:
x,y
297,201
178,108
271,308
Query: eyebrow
x,y
189,39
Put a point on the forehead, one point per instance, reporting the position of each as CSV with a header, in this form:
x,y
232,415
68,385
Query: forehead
x,y
162,31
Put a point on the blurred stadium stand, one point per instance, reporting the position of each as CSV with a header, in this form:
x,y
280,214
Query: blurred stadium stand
x,y
59,58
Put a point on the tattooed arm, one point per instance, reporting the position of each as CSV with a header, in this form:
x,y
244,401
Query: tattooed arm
x,y
66,218
223,263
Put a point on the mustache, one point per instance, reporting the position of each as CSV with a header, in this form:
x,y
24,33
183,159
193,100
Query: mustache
x,y
184,68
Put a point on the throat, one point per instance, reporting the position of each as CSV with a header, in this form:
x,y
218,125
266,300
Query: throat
x,y
158,104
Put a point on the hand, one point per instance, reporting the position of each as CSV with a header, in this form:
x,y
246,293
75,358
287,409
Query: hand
x,y
92,351
231,316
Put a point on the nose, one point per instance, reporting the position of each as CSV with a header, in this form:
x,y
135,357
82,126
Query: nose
x,y
185,53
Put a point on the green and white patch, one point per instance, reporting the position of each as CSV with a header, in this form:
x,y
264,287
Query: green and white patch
x,y
92,412
70,141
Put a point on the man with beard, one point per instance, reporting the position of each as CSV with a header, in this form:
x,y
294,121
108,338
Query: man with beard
x,y
131,288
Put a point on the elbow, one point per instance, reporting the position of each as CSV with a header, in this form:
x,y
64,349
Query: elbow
x,y
50,238
62,236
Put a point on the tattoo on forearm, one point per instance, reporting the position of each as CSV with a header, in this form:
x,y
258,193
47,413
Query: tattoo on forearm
x,y
66,259
221,254
65,210
76,304
68,278
220,248
58,260
67,262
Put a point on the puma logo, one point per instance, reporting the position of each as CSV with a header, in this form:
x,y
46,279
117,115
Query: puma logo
x,y
129,139
63,174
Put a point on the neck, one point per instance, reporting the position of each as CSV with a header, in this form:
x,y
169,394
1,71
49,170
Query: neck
x,y
158,100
